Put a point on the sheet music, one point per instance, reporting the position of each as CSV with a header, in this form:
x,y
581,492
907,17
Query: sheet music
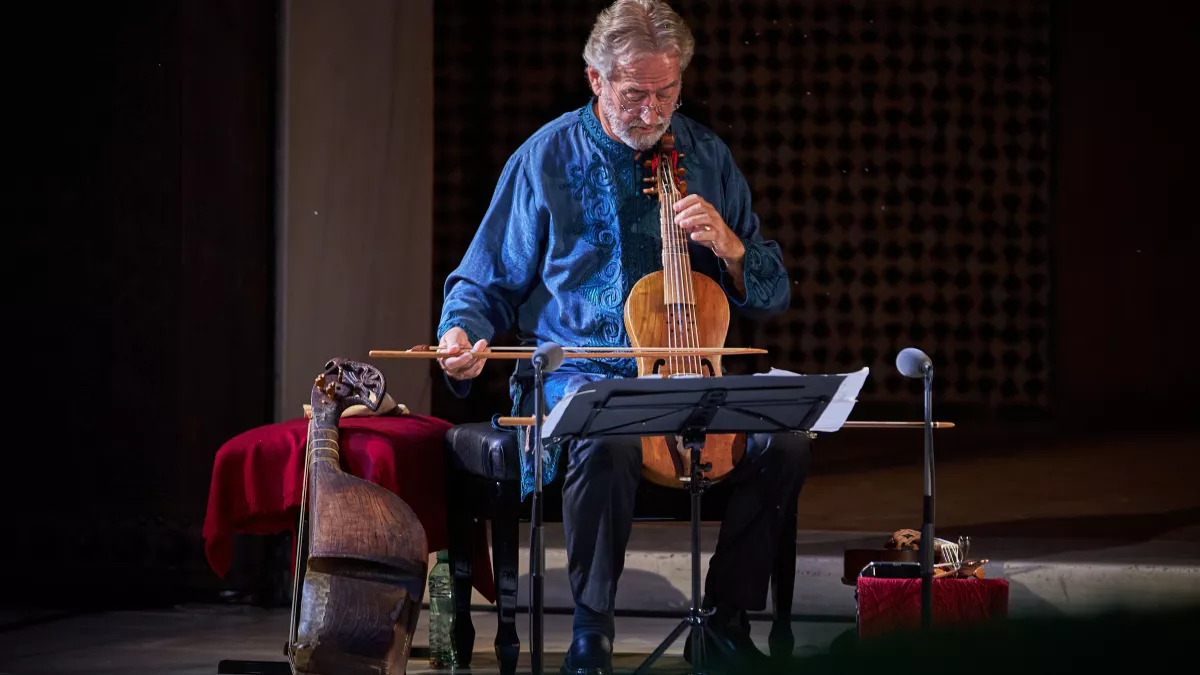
x,y
832,418
838,410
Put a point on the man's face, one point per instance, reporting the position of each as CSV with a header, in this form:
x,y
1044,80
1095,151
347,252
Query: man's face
x,y
639,98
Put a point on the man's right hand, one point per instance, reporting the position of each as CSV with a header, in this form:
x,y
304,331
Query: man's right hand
x,y
466,365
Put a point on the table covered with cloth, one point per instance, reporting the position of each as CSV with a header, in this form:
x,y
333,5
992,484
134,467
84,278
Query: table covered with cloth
x,y
887,605
258,478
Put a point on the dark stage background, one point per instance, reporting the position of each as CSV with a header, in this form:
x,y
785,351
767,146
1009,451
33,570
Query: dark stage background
x,y
990,181
898,153
905,156
142,168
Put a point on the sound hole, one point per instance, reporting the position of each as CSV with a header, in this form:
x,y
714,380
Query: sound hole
x,y
706,365
681,319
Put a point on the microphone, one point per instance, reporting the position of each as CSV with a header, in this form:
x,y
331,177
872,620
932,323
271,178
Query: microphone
x,y
548,357
913,362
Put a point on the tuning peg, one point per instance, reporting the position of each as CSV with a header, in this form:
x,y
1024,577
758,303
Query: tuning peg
x,y
650,191
649,179
680,172
683,186
648,164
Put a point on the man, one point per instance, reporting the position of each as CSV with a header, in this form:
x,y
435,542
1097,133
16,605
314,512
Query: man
x,y
566,236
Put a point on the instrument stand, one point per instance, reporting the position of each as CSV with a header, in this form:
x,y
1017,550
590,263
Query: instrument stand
x,y
692,409
697,618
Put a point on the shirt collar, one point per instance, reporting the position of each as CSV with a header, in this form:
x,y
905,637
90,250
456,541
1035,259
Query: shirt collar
x,y
595,129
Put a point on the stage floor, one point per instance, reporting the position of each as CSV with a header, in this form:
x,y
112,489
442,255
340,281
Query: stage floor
x,y
191,640
1073,527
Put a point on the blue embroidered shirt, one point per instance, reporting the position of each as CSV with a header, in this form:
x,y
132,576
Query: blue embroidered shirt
x,y
567,235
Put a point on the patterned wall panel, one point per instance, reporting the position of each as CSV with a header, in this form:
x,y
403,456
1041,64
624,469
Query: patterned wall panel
x,y
898,152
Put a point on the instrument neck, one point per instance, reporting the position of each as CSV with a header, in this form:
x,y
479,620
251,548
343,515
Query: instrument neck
x,y
323,435
679,294
675,257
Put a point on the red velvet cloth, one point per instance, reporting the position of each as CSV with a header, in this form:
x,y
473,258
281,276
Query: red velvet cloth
x,y
886,605
258,477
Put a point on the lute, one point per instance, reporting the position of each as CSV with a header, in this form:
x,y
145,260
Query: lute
x,y
361,553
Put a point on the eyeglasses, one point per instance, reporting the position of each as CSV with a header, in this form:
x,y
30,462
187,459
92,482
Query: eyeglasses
x,y
641,110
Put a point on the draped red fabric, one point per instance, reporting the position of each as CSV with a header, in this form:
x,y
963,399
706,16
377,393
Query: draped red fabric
x,y
887,605
258,478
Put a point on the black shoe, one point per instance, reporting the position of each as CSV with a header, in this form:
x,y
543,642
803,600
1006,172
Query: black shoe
x,y
590,654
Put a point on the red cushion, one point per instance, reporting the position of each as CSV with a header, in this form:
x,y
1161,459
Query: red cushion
x,y
886,605
258,477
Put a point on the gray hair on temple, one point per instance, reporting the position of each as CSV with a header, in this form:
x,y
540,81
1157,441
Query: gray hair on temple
x,y
631,27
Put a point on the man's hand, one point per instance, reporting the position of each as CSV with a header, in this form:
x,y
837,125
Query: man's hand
x,y
466,365
704,225
700,219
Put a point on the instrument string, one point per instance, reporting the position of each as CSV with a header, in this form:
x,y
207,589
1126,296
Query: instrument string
x,y
693,322
666,257
684,295
681,290
681,273
671,246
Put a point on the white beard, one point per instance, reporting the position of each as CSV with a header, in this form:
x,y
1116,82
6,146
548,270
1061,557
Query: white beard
x,y
640,137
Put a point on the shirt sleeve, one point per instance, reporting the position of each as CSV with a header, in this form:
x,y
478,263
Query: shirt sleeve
x,y
768,291
500,266
497,272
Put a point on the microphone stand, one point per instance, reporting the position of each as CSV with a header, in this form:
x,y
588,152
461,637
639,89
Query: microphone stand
x,y
927,539
537,544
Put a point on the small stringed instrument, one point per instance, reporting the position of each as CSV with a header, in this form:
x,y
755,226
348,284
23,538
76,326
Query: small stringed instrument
x,y
361,553
680,309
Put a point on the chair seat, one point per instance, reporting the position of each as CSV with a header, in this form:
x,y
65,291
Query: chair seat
x,y
483,470
482,450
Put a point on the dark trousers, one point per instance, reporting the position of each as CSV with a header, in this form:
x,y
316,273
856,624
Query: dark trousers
x,y
601,479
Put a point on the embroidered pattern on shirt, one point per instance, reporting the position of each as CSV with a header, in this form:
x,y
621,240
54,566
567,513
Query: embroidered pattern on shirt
x,y
763,278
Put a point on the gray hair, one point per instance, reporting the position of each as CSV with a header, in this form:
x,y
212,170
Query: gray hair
x,y
630,27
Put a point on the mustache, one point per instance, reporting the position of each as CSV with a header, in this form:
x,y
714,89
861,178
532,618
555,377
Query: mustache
x,y
649,127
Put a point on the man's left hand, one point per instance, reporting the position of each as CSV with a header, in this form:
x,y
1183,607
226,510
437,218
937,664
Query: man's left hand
x,y
705,226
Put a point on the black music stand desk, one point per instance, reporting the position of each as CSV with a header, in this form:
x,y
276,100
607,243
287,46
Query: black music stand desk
x,y
690,408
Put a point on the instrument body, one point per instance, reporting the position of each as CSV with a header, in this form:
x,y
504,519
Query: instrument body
x,y
682,309
362,554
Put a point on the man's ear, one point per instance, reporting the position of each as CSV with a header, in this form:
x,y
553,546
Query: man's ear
x,y
594,80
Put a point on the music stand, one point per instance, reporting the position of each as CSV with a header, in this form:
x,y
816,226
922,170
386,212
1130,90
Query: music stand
x,y
692,408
